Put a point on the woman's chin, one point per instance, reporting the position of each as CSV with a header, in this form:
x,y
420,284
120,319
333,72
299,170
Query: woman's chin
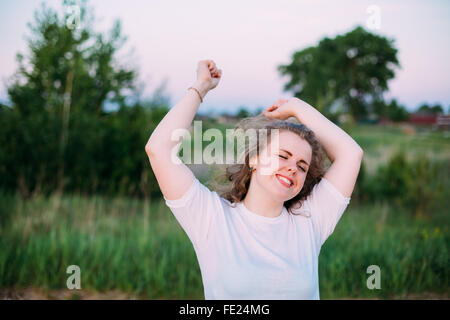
x,y
281,194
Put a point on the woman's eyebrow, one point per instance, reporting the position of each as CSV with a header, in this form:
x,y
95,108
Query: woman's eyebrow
x,y
290,154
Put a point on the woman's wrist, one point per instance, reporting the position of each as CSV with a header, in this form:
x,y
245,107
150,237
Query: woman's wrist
x,y
299,108
202,87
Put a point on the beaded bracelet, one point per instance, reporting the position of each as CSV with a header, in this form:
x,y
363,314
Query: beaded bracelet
x,y
196,90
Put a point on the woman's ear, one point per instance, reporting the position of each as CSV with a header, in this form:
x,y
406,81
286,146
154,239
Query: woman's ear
x,y
253,162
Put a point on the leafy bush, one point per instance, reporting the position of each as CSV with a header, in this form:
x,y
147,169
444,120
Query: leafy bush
x,y
418,185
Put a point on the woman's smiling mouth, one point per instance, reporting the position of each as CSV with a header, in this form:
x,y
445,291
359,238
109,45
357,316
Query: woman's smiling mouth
x,y
286,182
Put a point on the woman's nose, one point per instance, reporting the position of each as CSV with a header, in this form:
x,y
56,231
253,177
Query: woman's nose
x,y
292,167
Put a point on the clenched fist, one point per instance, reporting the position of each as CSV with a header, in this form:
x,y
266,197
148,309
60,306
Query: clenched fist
x,y
208,74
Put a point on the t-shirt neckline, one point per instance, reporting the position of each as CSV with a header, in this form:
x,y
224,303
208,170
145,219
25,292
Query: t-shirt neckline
x,y
259,217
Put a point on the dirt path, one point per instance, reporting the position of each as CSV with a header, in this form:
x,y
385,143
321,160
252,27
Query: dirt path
x,y
40,294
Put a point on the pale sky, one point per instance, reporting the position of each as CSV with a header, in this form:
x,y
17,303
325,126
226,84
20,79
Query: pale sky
x,y
249,39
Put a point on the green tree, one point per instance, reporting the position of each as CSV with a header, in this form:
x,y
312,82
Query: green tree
x,y
392,110
243,113
353,68
425,108
56,133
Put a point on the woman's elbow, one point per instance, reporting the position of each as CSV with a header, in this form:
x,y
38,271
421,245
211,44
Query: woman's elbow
x,y
360,151
149,150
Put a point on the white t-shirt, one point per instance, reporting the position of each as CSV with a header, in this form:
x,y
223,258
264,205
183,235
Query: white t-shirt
x,y
243,255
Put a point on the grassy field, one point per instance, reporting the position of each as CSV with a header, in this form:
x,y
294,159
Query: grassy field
x,y
379,143
136,248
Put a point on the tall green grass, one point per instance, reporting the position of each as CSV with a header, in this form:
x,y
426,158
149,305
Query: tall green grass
x,y
120,244
412,253
138,246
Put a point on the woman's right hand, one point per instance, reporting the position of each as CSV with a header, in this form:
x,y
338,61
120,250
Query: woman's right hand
x,y
208,75
282,109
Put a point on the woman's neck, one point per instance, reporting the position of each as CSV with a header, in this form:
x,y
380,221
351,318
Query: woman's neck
x,y
257,201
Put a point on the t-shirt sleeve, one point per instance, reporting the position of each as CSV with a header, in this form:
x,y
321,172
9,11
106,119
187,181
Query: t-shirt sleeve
x,y
327,204
195,210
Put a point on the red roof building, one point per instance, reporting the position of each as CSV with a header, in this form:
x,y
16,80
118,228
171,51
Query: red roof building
x,y
440,121
423,119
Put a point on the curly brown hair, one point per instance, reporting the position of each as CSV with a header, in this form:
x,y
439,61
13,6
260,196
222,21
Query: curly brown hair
x,y
238,175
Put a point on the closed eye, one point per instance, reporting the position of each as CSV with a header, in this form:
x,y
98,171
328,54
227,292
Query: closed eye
x,y
298,166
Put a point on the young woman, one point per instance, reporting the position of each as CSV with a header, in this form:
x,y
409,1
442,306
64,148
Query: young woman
x,y
262,238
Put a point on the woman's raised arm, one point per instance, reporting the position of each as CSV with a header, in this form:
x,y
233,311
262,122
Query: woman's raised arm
x,y
173,178
344,153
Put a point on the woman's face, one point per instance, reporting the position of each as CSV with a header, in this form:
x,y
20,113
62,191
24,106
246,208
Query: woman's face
x,y
282,170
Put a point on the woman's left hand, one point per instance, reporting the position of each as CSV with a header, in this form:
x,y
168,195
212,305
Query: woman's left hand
x,y
282,109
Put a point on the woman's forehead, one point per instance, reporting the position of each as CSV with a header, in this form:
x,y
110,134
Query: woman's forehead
x,y
294,144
